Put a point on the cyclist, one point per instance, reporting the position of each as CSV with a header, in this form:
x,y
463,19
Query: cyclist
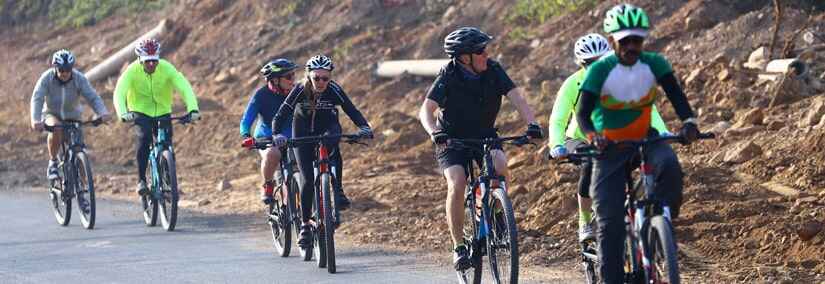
x,y
618,91
467,97
264,103
56,97
587,49
313,107
143,95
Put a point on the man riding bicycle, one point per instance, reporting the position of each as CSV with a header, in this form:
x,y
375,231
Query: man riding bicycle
x,y
587,49
56,97
619,91
466,96
279,75
312,104
143,94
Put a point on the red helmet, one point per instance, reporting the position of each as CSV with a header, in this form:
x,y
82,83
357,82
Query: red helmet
x,y
148,49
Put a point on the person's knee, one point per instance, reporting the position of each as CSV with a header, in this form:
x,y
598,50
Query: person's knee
x,y
456,179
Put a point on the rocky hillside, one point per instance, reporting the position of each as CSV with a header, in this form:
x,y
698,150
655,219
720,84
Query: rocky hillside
x,y
754,197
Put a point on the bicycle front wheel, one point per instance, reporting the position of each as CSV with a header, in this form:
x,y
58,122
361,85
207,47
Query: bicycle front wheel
x,y
280,220
502,242
169,191
329,226
662,251
472,274
85,191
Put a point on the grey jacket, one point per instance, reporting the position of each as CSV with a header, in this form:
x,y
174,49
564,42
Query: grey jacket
x,y
63,99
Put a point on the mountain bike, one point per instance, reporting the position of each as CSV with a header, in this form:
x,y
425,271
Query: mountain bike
x,y
489,222
75,178
325,216
163,193
650,246
283,213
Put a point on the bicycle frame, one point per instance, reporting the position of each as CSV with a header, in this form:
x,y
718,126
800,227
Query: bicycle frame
x,y
162,142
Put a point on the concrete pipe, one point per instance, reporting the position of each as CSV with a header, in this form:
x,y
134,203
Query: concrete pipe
x,y
425,67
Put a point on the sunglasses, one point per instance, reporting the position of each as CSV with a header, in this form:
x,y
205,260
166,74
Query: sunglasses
x,y
320,78
631,40
152,61
61,70
480,51
290,76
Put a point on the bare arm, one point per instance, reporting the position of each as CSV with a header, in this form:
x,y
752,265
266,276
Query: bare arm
x,y
427,116
521,106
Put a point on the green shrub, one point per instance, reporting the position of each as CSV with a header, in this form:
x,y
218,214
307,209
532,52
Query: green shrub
x,y
539,11
74,13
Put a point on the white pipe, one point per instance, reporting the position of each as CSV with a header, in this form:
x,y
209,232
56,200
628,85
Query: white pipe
x,y
112,64
425,67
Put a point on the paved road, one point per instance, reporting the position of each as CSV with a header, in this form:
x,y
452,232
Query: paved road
x,y
203,248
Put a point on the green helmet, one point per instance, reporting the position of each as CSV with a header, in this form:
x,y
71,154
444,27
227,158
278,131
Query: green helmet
x,y
625,17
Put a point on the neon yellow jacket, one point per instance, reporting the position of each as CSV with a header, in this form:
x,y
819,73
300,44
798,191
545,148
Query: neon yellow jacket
x,y
565,107
151,95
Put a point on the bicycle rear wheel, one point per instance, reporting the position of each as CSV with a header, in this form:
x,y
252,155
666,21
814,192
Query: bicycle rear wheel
x,y
61,206
502,242
662,252
85,191
329,226
280,220
169,191
472,274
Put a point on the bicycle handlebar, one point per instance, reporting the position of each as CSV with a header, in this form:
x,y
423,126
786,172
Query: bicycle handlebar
x,y
94,123
348,138
590,151
513,140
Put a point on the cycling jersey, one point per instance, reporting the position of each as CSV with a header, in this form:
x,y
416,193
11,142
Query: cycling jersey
x,y
320,112
264,104
564,107
625,94
62,99
151,94
469,103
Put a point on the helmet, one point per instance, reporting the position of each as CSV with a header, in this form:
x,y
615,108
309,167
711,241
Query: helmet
x,y
277,68
63,59
624,20
148,49
320,62
465,40
589,47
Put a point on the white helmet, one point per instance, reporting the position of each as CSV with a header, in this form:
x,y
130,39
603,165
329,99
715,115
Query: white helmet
x,y
589,47
320,62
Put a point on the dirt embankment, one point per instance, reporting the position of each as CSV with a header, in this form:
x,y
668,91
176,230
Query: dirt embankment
x,y
733,226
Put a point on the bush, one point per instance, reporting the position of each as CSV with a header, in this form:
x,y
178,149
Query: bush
x,y
74,13
539,11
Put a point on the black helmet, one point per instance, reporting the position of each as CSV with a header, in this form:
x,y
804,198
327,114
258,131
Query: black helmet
x,y
63,59
465,40
277,68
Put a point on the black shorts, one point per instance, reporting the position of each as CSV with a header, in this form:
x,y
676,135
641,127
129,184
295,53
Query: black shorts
x,y
451,156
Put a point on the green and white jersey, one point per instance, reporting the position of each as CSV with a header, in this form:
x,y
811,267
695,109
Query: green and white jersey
x,y
626,94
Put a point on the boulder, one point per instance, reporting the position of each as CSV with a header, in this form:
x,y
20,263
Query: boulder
x,y
758,59
814,113
743,152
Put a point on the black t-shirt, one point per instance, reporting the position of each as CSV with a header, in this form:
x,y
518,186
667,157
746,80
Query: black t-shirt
x,y
469,106
320,114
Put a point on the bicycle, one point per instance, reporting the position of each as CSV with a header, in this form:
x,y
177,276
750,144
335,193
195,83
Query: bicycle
x,y
75,178
489,222
325,217
163,193
650,246
282,215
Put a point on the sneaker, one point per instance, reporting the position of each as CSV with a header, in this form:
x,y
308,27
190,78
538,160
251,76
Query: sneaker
x,y
142,189
341,201
266,192
51,171
461,258
586,232
83,204
305,238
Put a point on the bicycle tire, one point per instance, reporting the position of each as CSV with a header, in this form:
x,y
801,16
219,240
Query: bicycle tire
x,y
306,253
472,274
169,191
61,207
280,225
85,190
329,222
634,273
662,247
503,235
320,247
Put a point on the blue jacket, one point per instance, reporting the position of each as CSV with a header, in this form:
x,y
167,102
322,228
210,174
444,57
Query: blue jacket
x,y
264,104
